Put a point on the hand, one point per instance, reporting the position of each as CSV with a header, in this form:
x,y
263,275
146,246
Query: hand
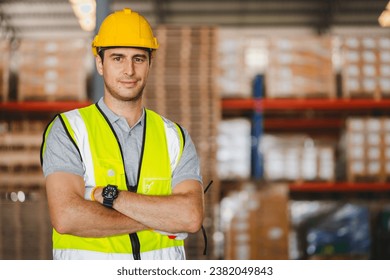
x,y
176,236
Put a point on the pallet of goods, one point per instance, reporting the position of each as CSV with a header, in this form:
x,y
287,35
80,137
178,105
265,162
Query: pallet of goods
x,y
4,70
182,87
20,144
234,149
368,149
365,67
300,67
256,223
242,54
297,158
51,70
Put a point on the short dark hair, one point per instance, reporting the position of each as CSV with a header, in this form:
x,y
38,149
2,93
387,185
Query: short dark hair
x,y
100,51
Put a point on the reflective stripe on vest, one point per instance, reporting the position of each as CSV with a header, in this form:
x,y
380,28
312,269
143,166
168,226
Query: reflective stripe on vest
x,y
103,160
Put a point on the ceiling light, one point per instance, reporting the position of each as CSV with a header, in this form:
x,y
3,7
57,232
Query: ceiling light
x,y
85,11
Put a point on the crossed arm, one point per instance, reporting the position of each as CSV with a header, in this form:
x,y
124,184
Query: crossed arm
x,y
70,213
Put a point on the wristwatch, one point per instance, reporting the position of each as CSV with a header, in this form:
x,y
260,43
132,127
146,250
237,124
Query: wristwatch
x,y
110,193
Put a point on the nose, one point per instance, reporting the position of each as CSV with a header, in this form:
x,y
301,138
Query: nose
x,y
129,69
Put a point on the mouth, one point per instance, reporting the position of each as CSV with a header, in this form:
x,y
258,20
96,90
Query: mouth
x,y
128,83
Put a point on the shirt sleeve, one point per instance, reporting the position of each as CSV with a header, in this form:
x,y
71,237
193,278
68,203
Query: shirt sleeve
x,y
188,167
60,153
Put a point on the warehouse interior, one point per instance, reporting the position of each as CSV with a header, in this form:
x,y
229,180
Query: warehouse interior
x,y
287,103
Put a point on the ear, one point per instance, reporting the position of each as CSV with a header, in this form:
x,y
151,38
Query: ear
x,y
152,56
99,65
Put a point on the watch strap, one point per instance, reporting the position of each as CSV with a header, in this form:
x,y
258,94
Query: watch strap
x,y
108,202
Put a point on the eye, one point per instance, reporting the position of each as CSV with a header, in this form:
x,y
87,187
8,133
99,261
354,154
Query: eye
x,y
138,59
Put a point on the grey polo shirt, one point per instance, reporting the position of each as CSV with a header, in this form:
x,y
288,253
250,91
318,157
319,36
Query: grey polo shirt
x,y
62,155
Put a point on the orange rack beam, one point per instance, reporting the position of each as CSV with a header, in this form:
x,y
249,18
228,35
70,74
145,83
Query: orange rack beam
x,y
42,106
340,187
303,104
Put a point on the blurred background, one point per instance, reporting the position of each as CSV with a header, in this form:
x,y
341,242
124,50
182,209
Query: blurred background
x,y
287,103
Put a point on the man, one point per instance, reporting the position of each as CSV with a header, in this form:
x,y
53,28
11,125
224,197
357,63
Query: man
x,y
122,181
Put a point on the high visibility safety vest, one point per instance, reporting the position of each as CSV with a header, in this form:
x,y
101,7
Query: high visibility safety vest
x,y
100,151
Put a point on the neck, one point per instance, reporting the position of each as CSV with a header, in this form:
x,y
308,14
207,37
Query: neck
x,y
130,110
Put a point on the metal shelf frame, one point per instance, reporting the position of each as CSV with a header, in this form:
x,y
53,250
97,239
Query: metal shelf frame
x,y
339,187
42,106
303,104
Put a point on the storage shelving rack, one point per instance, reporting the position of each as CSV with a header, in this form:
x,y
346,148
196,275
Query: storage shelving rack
x,y
325,117
302,106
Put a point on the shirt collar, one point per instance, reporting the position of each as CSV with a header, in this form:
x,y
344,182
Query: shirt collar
x,y
113,118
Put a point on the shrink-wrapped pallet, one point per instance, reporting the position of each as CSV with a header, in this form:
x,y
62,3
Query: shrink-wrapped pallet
x,y
50,69
242,55
368,149
365,67
256,223
234,149
297,157
300,67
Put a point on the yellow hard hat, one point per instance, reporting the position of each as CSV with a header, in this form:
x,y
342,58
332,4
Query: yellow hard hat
x,y
124,29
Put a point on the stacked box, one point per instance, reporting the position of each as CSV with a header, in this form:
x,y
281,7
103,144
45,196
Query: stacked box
x,y
297,158
182,87
53,69
232,79
385,151
234,149
20,154
368,148
235,221
366,67
272,223
300,67
4,70
242,55
259,227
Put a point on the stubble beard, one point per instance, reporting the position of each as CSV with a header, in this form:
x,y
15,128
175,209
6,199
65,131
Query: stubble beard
x,y
115,94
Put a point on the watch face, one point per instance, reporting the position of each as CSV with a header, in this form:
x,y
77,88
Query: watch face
x,y
110,192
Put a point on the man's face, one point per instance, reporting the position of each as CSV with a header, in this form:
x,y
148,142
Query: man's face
x,y
125,71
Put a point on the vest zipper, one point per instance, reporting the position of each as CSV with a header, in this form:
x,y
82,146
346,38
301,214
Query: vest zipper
x,y
134,240
135,245
133,236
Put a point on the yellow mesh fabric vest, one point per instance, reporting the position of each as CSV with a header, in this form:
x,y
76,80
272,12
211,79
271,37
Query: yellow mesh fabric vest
x,y
102,156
